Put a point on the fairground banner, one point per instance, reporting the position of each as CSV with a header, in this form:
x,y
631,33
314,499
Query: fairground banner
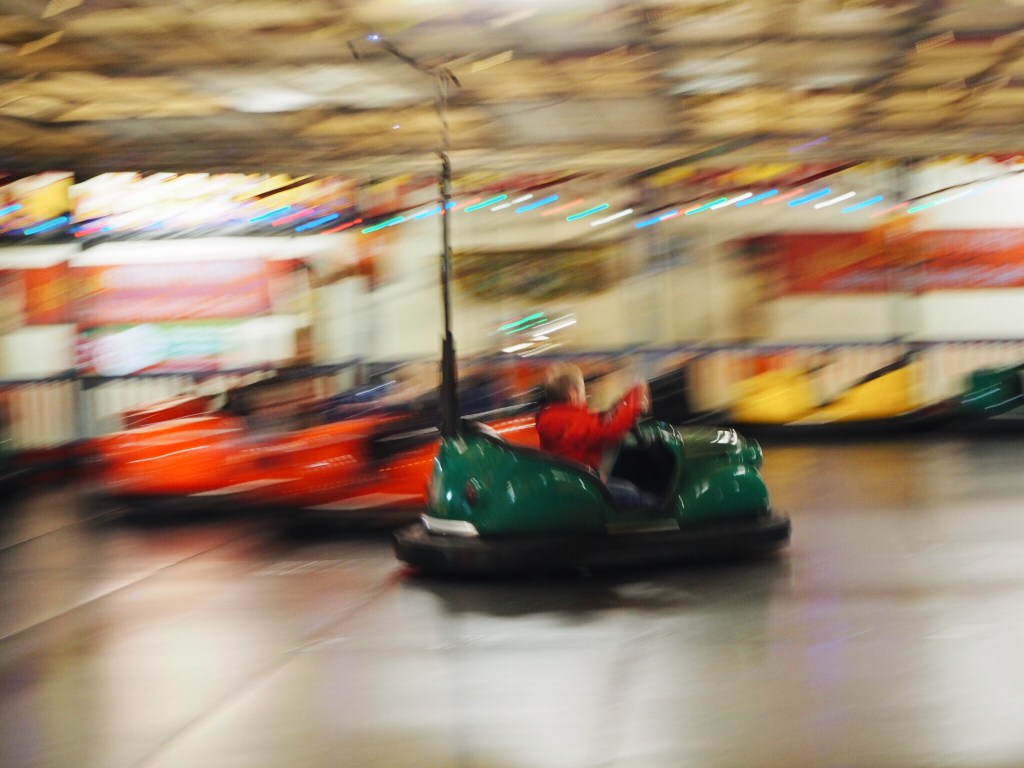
x,y
888,259
114,294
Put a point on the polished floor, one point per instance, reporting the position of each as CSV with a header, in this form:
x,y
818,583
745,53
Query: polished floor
x,y
890,634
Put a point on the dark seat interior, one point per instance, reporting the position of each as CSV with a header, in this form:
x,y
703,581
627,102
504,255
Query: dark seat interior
x,y
412,428
650,468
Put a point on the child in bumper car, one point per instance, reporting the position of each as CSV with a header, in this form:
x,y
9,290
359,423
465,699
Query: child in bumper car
x,y
569,429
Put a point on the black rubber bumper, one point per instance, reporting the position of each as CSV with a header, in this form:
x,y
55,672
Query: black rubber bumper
x,y
432,553
153,507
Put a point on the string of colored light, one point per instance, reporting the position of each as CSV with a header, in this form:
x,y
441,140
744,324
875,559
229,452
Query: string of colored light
x,y
47,225
588,212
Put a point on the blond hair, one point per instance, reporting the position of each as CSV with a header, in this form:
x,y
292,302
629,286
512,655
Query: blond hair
x,y
560,380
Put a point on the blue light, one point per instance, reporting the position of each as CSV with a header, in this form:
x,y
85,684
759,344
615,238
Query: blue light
x,y
757,198
271,215
424,214
317,222
485,203
383,224
588,212
10,209
538,204
865,204
812,196
655,219
47,225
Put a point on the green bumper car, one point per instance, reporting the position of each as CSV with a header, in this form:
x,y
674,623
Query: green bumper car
x,y
495,508
993,401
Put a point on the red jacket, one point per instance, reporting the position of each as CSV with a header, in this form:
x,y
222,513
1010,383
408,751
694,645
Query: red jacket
x,y
576,433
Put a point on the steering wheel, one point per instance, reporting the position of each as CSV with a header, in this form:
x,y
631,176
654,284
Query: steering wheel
x,y
641,436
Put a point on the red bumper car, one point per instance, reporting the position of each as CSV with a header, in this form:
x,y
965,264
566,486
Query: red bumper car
x,y
235,460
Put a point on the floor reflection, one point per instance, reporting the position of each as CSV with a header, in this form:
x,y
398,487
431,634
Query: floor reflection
x,y
887,634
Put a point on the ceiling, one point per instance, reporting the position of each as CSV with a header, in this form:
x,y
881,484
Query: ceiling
x,y
618,86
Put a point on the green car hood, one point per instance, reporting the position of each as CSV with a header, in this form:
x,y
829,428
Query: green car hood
x,y
710,443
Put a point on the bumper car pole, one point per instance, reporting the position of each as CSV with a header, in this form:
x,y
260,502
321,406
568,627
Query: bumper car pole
x,y
449,369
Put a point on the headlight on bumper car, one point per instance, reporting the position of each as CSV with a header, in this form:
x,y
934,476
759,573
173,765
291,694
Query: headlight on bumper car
x,y
442,527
